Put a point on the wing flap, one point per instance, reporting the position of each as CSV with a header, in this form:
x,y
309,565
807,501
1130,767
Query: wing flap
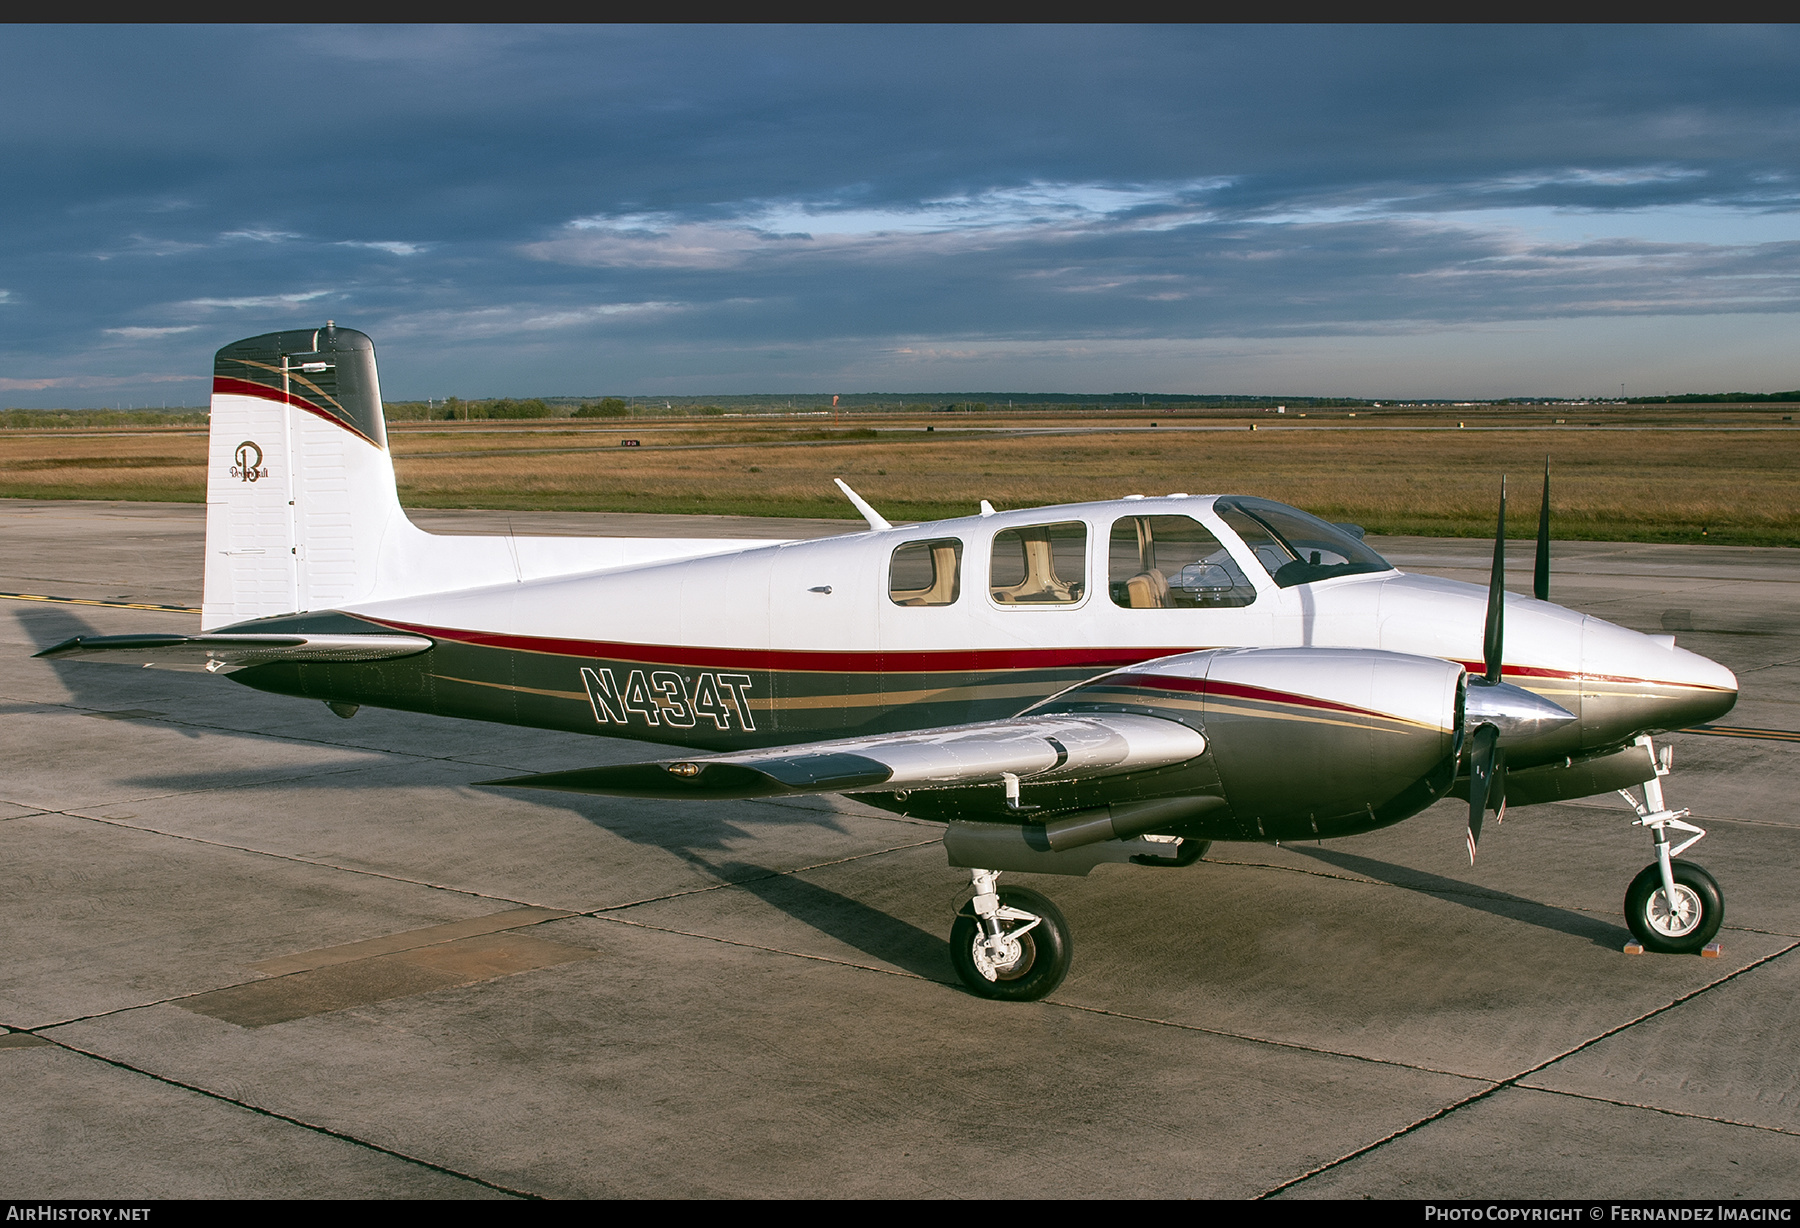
x,y
1031,748
226,652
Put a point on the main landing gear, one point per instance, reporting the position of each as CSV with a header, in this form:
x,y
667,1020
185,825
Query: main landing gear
x,y
1674,907
1011,945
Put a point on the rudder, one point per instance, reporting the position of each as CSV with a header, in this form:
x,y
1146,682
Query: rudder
x,y
300,485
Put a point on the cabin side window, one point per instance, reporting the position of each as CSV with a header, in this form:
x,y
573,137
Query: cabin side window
x,y
926,573
1172,563
1044,564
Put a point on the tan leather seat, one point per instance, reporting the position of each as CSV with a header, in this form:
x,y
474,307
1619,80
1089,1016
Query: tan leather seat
x,y
1149,590
944,585
1041,583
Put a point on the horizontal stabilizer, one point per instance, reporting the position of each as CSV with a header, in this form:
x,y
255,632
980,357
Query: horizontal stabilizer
x,y
224,653
1029,748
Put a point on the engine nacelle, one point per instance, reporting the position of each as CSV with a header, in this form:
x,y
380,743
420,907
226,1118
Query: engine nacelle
x,y
1305,741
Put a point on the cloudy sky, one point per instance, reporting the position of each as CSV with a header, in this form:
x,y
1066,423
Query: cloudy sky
x,y
1372,211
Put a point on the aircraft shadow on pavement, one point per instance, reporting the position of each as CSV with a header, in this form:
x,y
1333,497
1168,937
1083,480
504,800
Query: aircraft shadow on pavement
x,y
97,691
1481,899
684,829
690,829
681,831
848,920
47,625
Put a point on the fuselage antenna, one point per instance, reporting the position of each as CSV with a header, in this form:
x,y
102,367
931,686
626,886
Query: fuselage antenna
x,y
875,518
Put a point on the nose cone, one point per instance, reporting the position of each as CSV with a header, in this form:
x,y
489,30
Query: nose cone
x,y
1633,683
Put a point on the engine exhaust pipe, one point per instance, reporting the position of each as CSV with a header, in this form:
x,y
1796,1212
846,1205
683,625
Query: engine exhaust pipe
x,y
1084,840
1119,821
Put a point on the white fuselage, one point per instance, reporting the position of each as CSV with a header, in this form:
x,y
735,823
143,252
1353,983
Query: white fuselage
x,y
828,601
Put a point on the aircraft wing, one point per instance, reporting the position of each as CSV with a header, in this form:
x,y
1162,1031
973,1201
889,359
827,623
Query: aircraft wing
x,y
226,652
1034,747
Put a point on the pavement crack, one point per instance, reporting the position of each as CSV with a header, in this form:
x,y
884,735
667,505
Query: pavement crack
x,y
314,1127
178,998
299,738
754,878
469,891
1654,1108
1267,1040
1751,929
1709,818
756,946
1468,892
298,860
1516,1079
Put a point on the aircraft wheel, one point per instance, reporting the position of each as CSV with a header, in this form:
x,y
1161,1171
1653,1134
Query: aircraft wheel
x,y
1682,930
1029,966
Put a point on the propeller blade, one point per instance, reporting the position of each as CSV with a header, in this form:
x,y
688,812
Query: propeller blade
x,y
1482,753
1494,634
1540,585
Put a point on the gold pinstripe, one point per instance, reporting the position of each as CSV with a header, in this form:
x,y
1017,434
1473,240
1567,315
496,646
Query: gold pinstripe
x,y
763,703
1281,712
508,686
293,376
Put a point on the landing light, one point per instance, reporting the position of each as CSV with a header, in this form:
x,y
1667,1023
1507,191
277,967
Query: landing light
x,y
684,769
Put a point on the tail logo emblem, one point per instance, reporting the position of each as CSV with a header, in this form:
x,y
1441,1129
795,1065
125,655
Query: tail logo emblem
x,y
249,465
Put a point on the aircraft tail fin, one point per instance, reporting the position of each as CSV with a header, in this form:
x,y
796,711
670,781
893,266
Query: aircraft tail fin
x,y
300,486
301,508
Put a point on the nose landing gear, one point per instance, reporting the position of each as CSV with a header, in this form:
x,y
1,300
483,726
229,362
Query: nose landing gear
x,y
1674,907
1687,926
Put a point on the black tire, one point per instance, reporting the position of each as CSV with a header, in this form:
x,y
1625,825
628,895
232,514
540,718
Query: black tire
x,y
1044,950
1647,913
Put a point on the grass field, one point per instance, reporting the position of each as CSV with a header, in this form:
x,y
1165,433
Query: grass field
x,y
1718,474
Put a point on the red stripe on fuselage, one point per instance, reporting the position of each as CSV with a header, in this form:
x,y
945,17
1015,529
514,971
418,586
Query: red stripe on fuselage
x,y
954,661
1234,690
943,662
1478,669
225,384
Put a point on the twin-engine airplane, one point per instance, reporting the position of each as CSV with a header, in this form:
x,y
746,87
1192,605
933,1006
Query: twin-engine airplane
x,y
1103,682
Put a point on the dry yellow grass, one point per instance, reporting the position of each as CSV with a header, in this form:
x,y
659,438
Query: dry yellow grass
x,y
1736,478
144,464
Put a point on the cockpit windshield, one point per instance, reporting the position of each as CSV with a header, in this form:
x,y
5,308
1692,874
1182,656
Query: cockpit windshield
x,y
1293,546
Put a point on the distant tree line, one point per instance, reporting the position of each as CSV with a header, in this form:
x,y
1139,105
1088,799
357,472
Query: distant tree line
x,y
1721,398
40,419
455,409
607,407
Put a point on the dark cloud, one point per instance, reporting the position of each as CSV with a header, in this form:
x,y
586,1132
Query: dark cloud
x,y
504,203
